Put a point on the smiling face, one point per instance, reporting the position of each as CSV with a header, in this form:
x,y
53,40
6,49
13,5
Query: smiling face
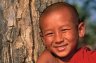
x,y
60,33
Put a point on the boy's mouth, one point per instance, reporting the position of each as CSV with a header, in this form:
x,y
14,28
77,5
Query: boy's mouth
x,y
61,47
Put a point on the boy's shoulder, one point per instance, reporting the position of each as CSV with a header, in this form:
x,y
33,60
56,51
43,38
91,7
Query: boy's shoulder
x,y
85,55
45,57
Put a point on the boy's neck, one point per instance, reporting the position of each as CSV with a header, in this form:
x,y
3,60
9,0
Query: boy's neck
x,y
65,59
60,61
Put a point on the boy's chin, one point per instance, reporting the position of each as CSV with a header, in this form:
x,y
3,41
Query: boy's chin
x,y
60,55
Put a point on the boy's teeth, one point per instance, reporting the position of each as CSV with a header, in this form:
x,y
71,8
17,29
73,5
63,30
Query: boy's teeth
x,y
61,48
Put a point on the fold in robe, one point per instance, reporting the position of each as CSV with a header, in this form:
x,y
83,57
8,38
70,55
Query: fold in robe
x,y
84,55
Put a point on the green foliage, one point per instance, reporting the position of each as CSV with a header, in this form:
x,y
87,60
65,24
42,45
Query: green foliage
x,y
84,14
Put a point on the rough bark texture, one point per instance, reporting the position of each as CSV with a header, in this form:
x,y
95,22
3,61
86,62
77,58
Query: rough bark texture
x,y
19,31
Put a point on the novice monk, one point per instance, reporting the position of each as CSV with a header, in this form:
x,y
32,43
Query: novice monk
x,y
60,31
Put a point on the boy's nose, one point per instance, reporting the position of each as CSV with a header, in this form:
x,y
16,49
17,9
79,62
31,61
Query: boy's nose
x,y
58,38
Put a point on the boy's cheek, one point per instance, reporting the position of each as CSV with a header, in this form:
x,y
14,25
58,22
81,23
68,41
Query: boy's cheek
x,y
47,41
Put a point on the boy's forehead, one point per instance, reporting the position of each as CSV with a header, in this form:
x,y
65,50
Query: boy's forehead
x,y
52,19
64,12
62,9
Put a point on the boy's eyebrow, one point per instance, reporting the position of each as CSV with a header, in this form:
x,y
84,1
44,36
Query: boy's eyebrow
x,y
65,25
48,30
60,27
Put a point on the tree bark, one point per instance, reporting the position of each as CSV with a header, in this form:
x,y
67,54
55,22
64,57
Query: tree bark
x,y
19,30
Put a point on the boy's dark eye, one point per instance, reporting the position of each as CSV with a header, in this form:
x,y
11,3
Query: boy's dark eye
x,y
49,34
64,30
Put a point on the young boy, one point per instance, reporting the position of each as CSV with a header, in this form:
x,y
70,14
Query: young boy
x,y
61,30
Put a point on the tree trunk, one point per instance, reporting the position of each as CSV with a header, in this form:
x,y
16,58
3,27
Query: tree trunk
x,y
19,30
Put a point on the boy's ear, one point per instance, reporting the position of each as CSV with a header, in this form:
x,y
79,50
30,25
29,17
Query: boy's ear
x,y
81,29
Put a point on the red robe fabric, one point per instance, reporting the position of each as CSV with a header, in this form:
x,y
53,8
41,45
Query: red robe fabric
x,y
84,55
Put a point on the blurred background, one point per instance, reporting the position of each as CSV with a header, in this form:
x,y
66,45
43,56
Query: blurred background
x,y
87,13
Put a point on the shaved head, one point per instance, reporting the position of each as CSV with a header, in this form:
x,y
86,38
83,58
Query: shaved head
x,y
58,7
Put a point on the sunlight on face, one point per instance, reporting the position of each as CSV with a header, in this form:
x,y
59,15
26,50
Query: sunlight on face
x,y
60,33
